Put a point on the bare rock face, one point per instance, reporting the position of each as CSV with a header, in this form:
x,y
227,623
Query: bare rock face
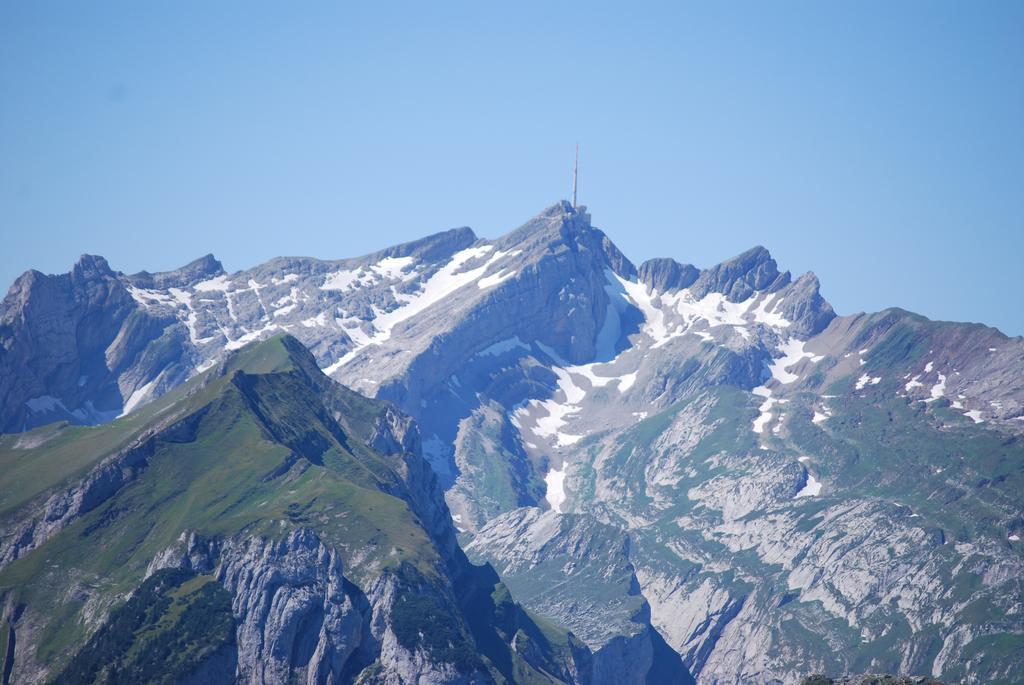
x,y
665,274
322,551
495,472
204,268
296,621
77,346
400,662
740,277
762,479
878,679
806,308
537,551
299,619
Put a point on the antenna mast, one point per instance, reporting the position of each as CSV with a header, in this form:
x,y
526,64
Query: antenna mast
x,y
575,169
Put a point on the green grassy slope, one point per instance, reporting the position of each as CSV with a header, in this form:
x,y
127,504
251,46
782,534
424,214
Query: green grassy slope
x,y
247,449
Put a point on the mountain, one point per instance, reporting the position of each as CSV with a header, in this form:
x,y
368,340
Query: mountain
x,y
259,519
657,457
869,680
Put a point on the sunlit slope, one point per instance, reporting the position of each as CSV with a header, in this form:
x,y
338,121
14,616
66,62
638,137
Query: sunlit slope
x,y
259,466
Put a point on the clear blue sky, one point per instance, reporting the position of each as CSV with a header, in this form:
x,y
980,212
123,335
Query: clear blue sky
x,y
880,144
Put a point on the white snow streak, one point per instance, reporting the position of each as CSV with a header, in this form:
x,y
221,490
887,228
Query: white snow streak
x,y
138,397
44,403
555,494
792,353
939,389
220,283
866,380
440,285
811,489
503,346
491,281
392,267
766,408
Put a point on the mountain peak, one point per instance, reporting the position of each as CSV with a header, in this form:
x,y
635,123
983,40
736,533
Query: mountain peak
x,y
435,247
550,222
806,308
565,225
664,274
90,266
197,270
275,354
738,278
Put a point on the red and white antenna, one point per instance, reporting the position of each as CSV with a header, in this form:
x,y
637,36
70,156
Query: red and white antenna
x,y
575,169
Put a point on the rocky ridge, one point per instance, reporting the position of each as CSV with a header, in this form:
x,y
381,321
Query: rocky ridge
x,y
789,480
310,506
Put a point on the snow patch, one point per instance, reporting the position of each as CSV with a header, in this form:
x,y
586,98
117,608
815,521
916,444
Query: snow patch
x,y
714,308
148,298
86,413
343,280
810,489
626,381
318,320
866,380
491,281
654,317
219,283
555,494
792,352
435,451
766,408
191,318
284,311
938,390
138,397
778,427
249,337
766,312
392,267
440,285
548,426
503,346
44,403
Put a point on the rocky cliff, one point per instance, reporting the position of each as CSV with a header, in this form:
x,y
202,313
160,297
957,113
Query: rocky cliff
x,y
259,524
711,457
